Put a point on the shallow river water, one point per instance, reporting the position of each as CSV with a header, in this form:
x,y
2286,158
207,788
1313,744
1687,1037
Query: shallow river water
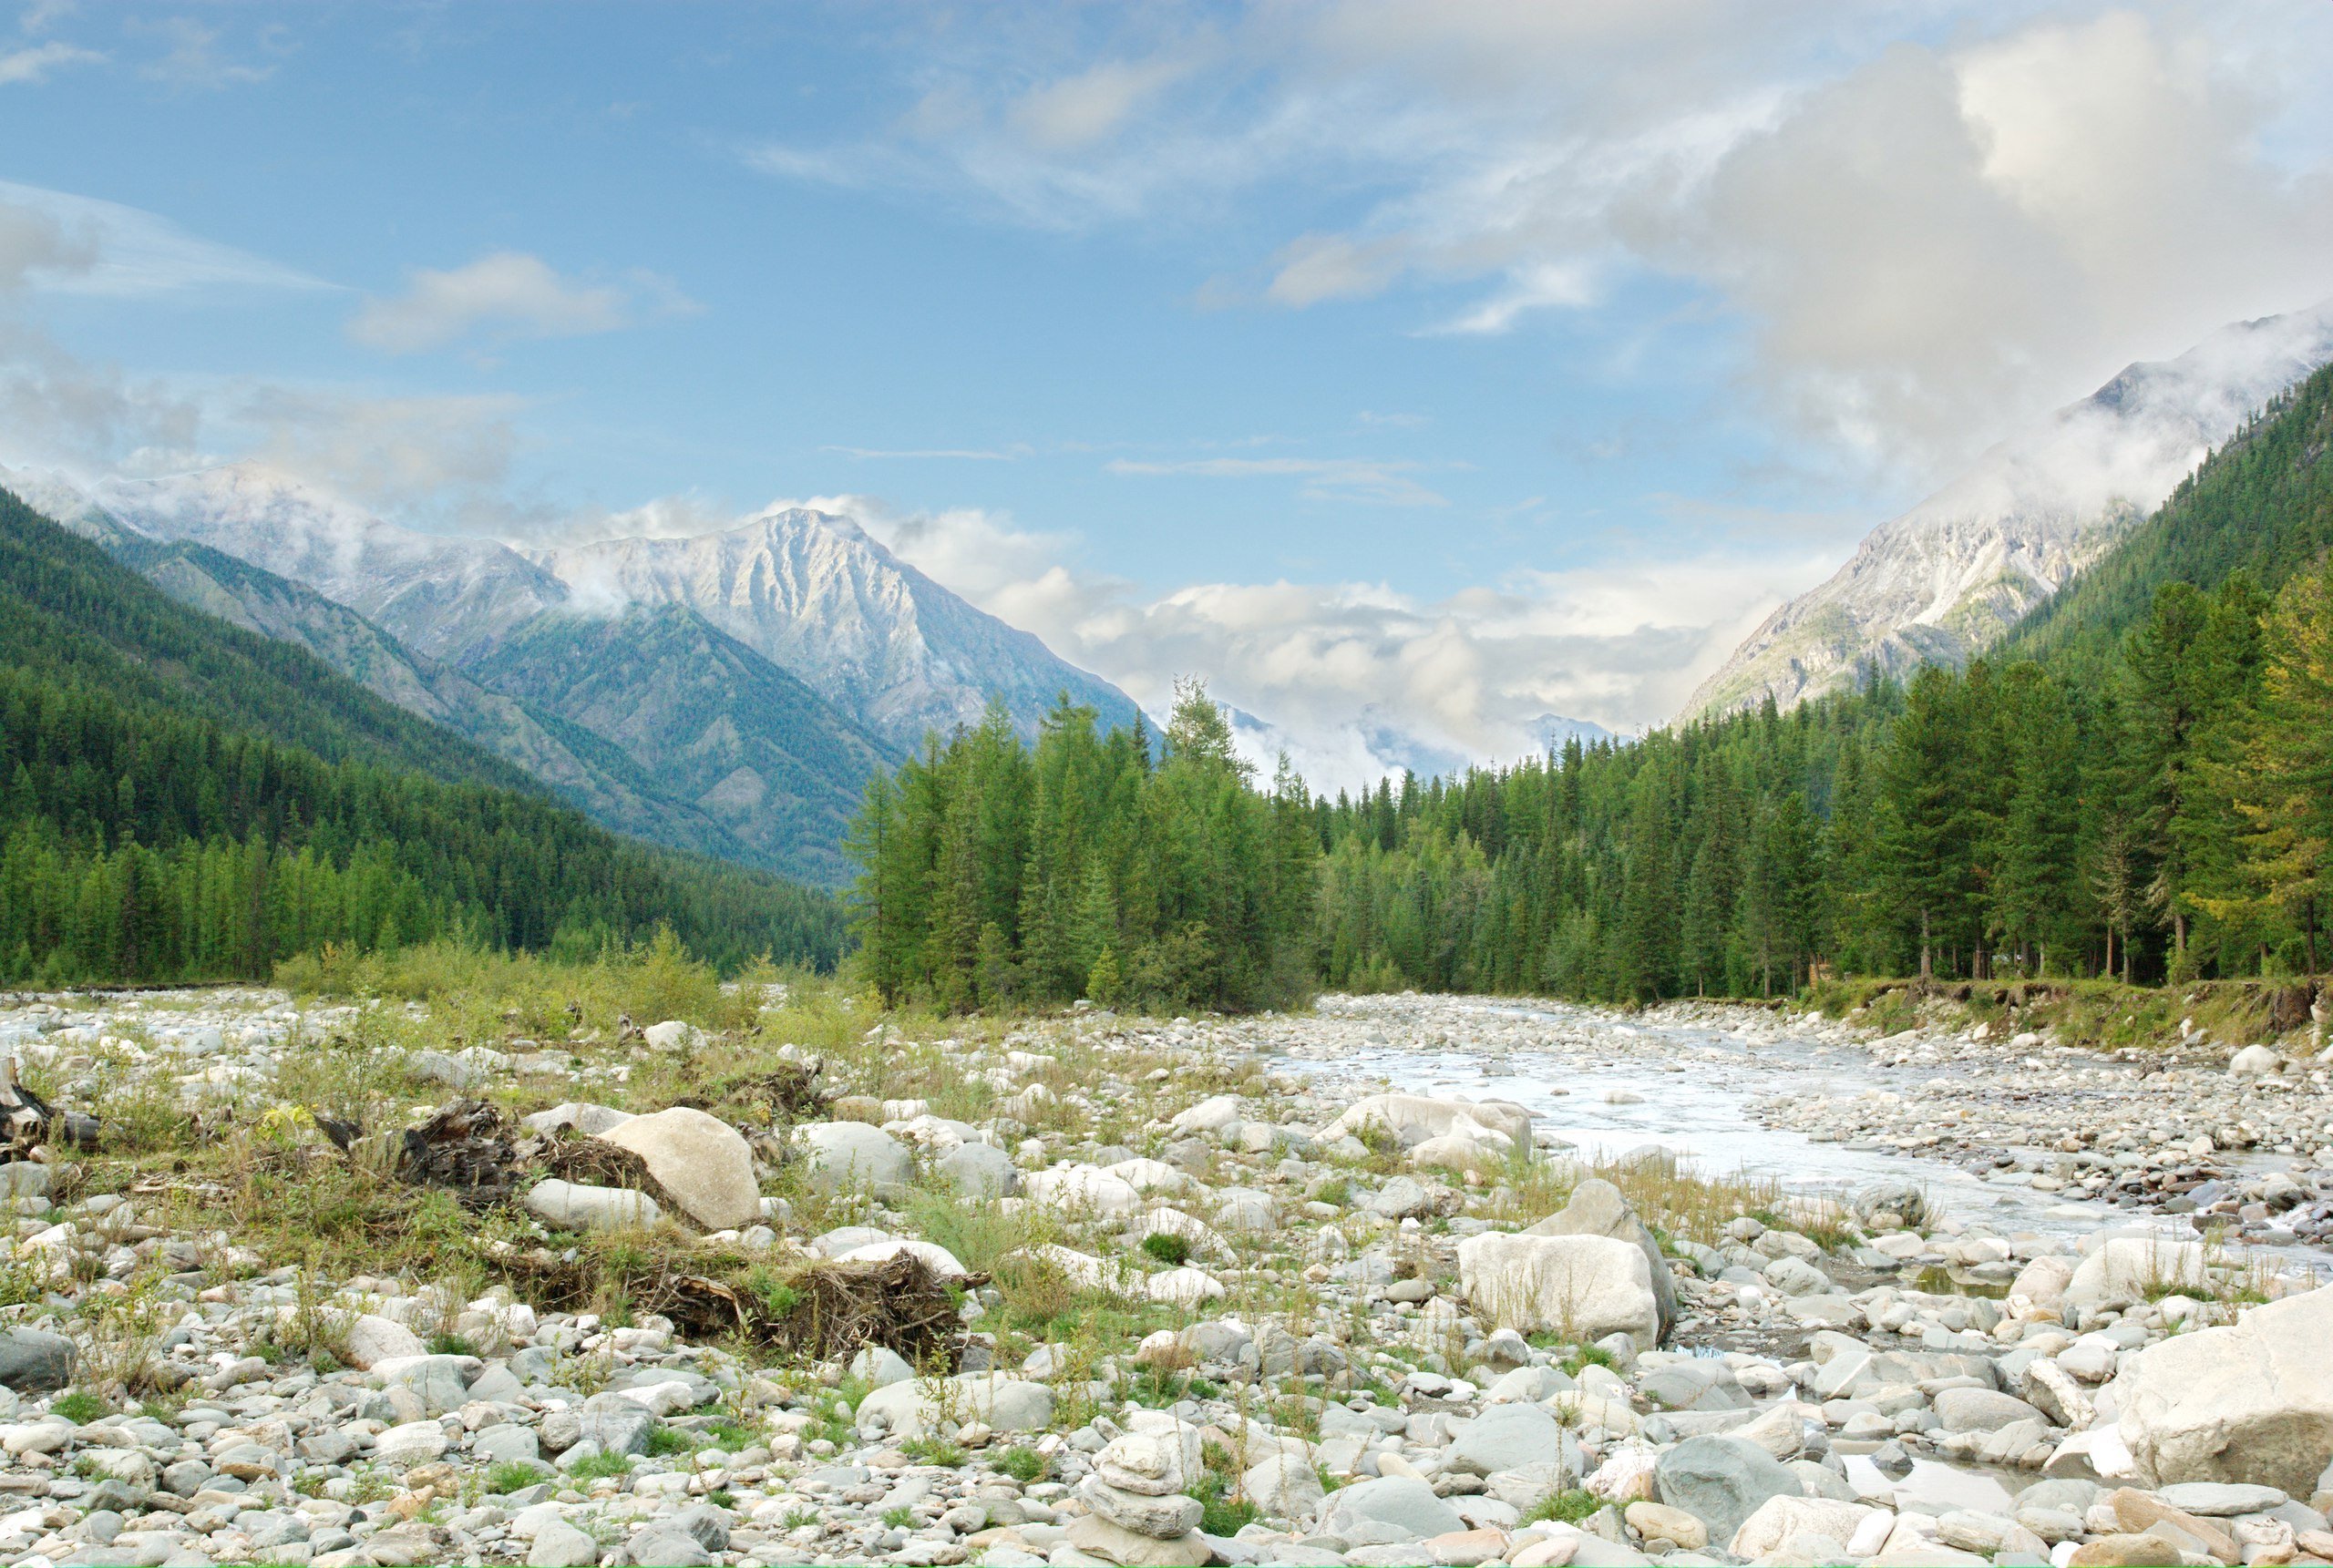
x,y
1691,1094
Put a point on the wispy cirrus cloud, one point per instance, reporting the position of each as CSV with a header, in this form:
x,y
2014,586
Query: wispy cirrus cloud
x,y
1011,454
36,62
127,253
1377,481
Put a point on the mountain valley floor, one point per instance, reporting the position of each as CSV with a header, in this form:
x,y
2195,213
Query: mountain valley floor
x,y
566,1265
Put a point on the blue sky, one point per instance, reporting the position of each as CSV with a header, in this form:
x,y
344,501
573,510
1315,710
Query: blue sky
x,y
1458,364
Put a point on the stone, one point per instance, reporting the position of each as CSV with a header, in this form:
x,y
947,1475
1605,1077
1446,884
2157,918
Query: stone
x,y
2219,1499
1405,1503
618,1424
1164,1517
1411,1118
851,1154
1284,1486
1099,1538
1596,1207
2131,1268
1659,1522
1582,1286
584,1117
33,1362
2119,1550
1504,1437
2254,1061
1084,1187
1983,1410
673,1035
1210,1115
979,1171
1402,1198
2139,1511
1784,1518
2249,1403
879,1369
1184,1287
1004,1404
414,1444
1720,1482
441,1382
558,1544
701,1163
373,1340
573,1206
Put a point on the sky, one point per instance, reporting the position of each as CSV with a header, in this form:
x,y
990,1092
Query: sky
x,y
1407,367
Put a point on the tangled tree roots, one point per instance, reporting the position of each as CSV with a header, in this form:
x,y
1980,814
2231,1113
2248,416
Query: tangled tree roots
x,y
472,1150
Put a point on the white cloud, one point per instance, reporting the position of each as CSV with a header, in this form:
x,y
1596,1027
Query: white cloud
x,y
192,58
1378,481
1356,678
503,295
125,253
33,64
1091,106
1936,220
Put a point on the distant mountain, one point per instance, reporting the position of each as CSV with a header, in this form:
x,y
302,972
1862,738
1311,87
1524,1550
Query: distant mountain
x,y
189,800
765,759
817,595
2262,503
1950,577
800,654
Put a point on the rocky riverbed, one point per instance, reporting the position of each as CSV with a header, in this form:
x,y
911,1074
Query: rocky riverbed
x,y
1404,1280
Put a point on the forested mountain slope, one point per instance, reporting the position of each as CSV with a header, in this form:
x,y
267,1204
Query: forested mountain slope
x,y
182,799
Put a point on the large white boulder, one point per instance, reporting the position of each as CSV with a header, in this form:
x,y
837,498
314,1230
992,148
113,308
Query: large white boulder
x,y
1581,1287
701,1161
2134,1268
2252,1402
845,1155
1208,1116
937,1259
2254,1061
1087,1188
1411,1118
908,1409
1596,1207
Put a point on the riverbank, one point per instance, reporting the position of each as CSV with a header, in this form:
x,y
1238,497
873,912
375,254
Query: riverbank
x,y
1120,1290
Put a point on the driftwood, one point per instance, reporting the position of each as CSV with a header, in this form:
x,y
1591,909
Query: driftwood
x,y
26,1120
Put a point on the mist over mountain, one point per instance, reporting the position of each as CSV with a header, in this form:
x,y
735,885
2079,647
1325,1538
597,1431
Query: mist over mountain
x,y
1945,580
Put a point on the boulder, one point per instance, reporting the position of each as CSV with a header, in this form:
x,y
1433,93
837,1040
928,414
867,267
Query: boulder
x,y
370,1340
847,1155
2254,1061
1284,1487
1403,1197
1659,1522
1782,1516
2131,1268
1209,1116
414,1444
570,1205
703,1162
618,1424
1096,1537
1722,1481
1598,1208
979,1171
584,1117
1002,1404
2250,1403
1582,1286
673,1035
1983,1410
1083,1187
1404,1502
1504,1437
1411,1118
31,1362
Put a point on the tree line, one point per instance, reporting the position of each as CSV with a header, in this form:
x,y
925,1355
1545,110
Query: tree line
x,y
143,845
